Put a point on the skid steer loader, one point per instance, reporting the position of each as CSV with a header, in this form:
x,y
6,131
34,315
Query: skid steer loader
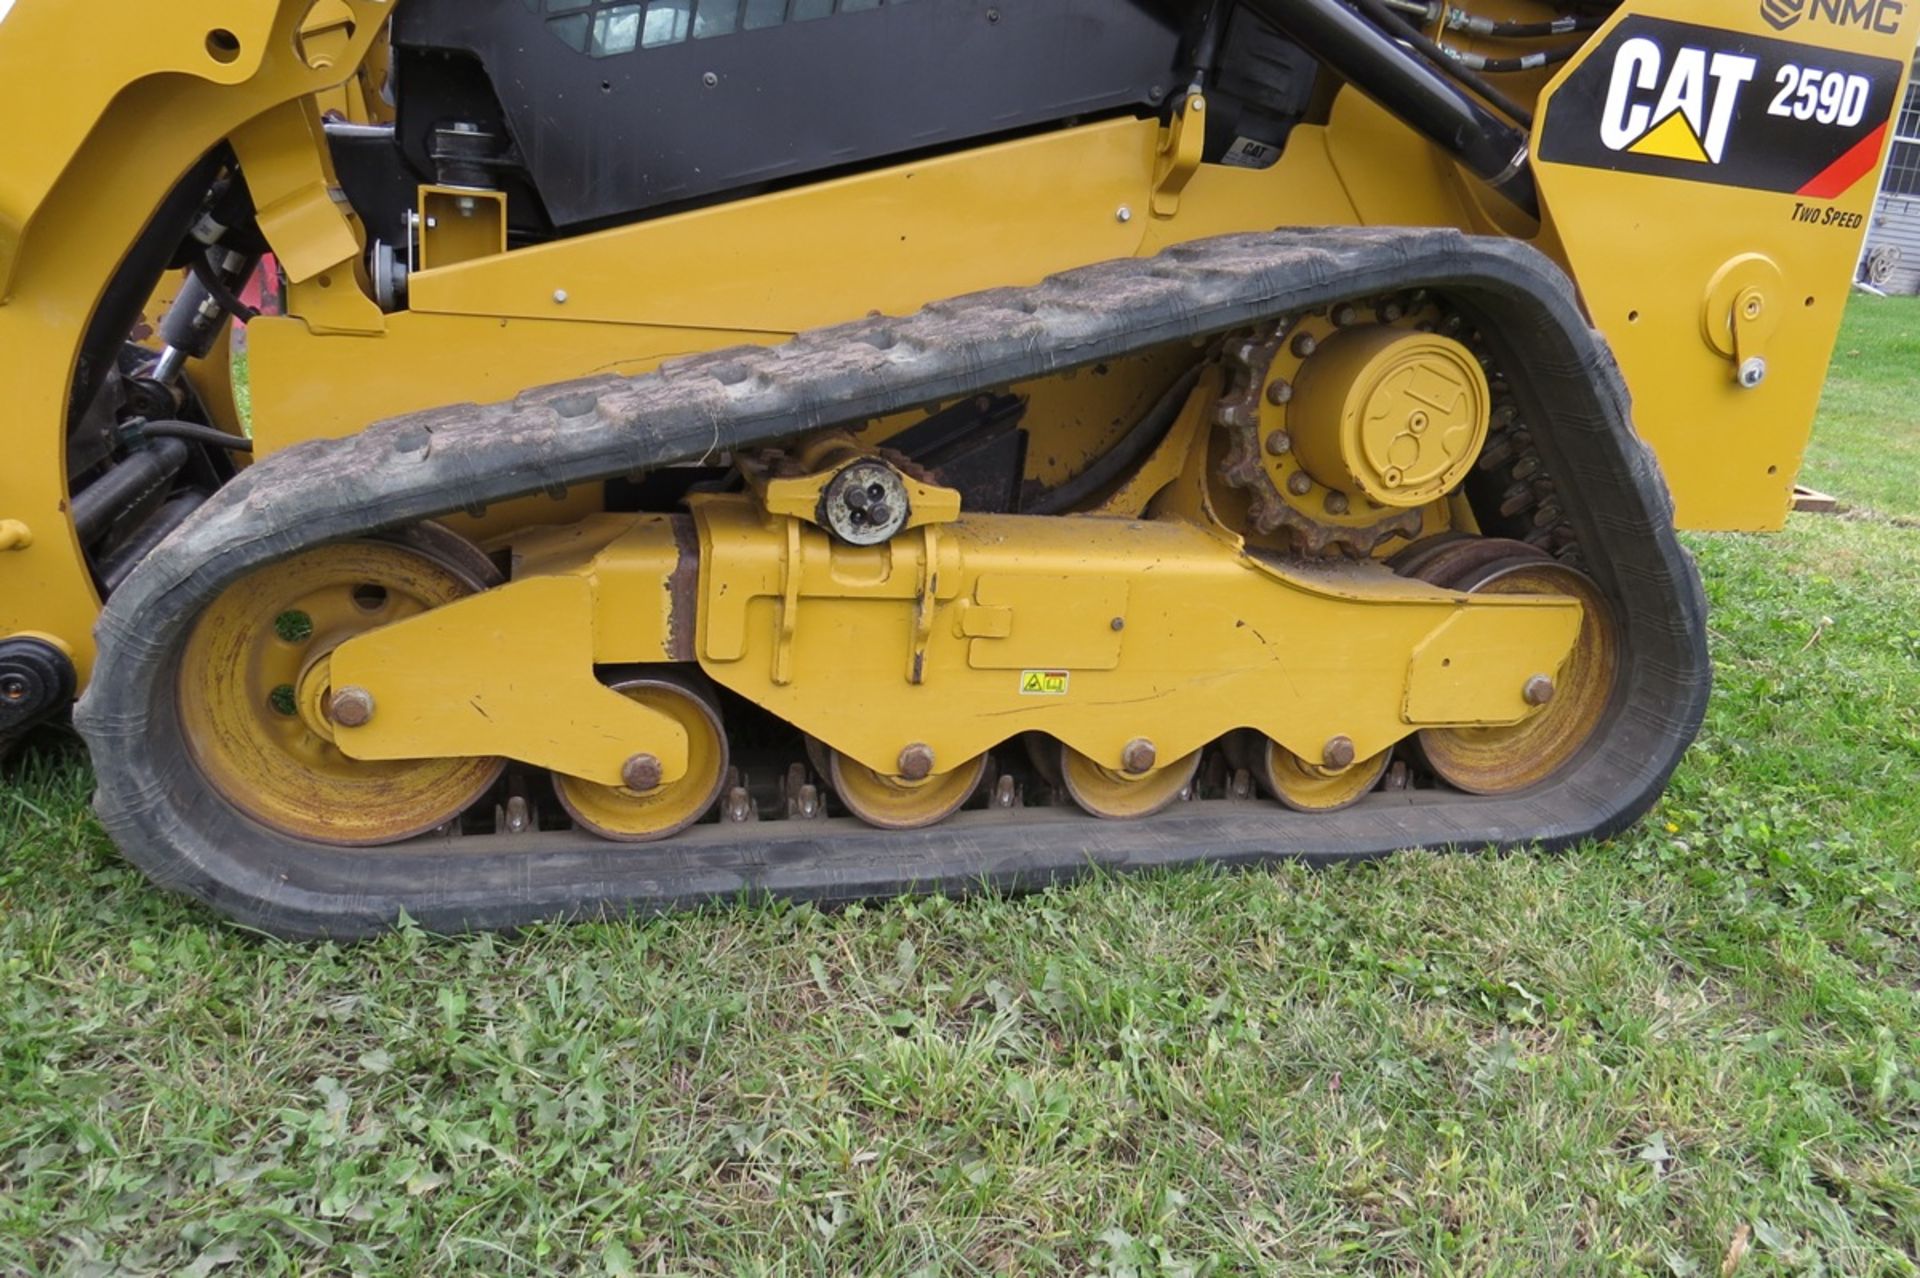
x,y
835,448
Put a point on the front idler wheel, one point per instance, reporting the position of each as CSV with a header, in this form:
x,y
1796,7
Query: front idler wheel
x,y
1567,706
257,708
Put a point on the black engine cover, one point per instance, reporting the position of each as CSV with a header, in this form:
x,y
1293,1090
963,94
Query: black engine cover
x,y
618,106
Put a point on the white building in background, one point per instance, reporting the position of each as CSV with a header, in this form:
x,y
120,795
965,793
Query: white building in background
x,y
1891,261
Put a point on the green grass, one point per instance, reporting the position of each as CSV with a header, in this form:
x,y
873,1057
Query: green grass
x,y
1866,446
1617,1061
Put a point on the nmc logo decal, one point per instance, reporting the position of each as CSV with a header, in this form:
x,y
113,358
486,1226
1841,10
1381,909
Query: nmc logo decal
x,y
1672,99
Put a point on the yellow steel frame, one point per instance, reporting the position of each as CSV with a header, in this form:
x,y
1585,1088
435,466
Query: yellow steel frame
x,y
957,636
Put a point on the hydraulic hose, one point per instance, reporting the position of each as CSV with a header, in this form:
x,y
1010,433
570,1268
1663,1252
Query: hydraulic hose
x,y
194,433
1448,62
128,483
1367,57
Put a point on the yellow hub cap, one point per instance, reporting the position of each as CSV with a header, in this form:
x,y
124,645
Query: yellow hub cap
x,y
253,695
637,816
895,803
1308,787
1118,795
1508,759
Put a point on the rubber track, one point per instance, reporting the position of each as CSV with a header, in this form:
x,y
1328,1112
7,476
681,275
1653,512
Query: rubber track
x,y
169,822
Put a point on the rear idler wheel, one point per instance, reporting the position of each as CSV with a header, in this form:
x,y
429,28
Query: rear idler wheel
x,y
641,813
1125,796
1569,705
256,708
1312,787
903,803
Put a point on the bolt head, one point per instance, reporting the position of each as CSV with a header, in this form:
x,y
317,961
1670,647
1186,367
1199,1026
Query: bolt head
x,y
1279,391
351,707
559,297
1338,753
1303,345
1537,691
1279,443
641,773
1345,314
1123,214
1138,756
1753,372
916,762
1299,483
1336,503
1117,624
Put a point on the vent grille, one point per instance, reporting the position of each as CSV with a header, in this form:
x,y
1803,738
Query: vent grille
x,y
602,30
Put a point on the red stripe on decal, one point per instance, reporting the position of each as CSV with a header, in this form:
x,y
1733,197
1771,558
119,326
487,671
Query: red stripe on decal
x,y
1859,160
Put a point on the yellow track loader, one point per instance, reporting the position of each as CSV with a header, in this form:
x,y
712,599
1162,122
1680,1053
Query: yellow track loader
x,y
833,448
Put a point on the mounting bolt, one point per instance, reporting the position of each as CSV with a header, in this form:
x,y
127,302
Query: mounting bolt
x,y
709,79
14,535
559,297
1303,345
1279,391
1279,443
641,773
1299,483
518,817
1538,691
1752,373
1138,756
1338,753
351,707
1336,503
1123,214
1117,624
916,762
1345,313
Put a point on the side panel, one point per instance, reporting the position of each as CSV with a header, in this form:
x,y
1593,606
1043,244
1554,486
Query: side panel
x,y
1710,168
86,164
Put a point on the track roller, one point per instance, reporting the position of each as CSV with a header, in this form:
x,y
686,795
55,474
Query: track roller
x,y
639,812
1310,787
1125,796
898,802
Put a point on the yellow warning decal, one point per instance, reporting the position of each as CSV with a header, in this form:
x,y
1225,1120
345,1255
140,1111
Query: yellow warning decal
x,y
1043,683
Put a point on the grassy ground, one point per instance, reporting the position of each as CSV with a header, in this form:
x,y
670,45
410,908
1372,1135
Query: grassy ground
x,y
1694,1051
